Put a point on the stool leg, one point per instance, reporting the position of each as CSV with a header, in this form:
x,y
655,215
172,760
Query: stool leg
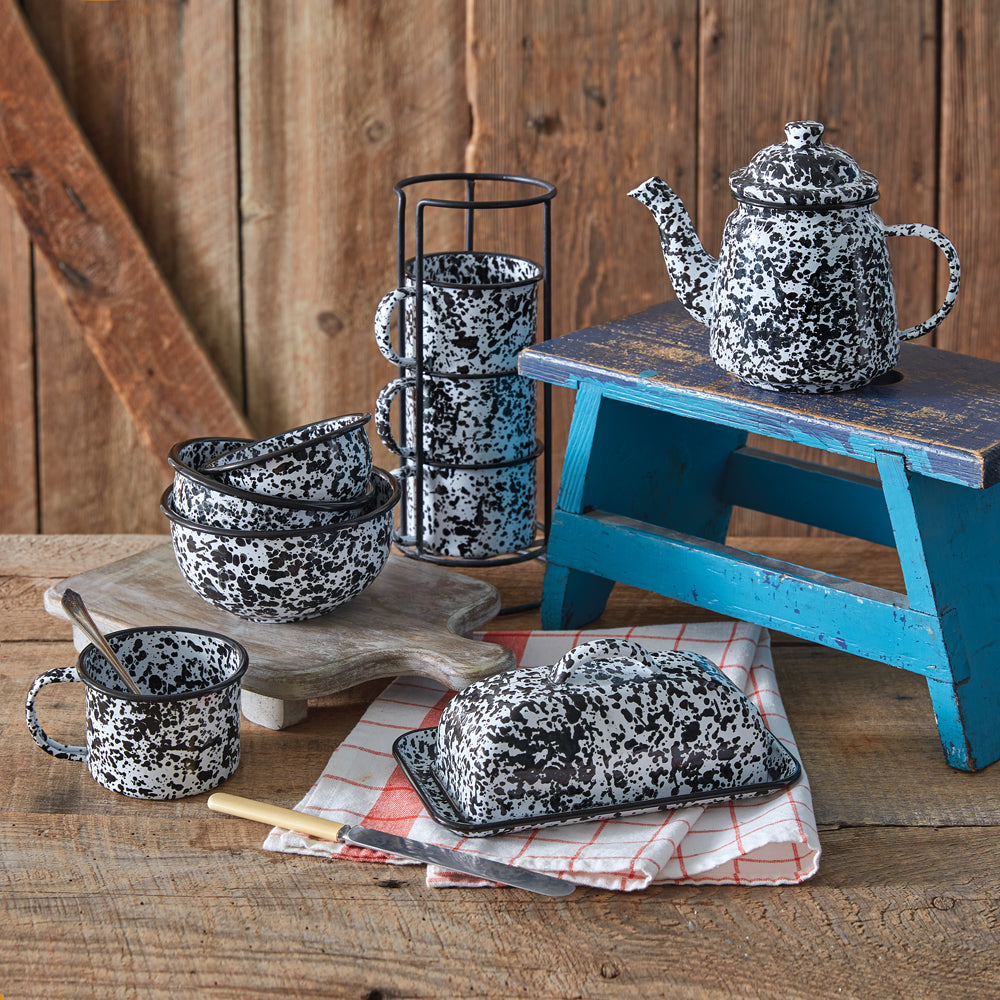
x,y
960,529
948,538
645,464
570,597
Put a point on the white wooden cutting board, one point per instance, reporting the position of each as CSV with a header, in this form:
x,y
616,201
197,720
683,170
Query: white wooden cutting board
x,y
413,619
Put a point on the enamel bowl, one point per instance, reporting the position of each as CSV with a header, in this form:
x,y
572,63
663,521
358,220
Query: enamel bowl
x,y
327,461
288,575
201,497
610,730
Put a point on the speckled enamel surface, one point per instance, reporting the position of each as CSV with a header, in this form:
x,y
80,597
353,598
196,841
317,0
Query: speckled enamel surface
x,y
328,460
467,421
473,513
801,298
479,311
804,301
181,738
201,497
191,499
291,575
803,170
611,725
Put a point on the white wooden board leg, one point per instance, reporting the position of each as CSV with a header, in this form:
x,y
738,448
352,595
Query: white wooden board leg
x,y
272,713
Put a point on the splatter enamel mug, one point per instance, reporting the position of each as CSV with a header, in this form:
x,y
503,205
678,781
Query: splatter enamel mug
x,y
479,311
180,737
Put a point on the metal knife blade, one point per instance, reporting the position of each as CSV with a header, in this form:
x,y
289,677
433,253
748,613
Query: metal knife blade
x,y
404,847
458,861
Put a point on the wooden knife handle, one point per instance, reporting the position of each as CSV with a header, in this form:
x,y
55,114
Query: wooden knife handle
x,y
287,819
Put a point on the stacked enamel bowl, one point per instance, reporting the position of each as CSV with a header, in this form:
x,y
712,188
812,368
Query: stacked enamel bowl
x,y
282,529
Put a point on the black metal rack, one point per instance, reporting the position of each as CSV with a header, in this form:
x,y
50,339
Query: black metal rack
x,y
411,543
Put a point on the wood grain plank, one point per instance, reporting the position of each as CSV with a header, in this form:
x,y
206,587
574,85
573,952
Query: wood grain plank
x,y
970,174
153,89
18,460
325,133
593,97
23,601
844,64
44,556
895,913
868,739
95,471
30,564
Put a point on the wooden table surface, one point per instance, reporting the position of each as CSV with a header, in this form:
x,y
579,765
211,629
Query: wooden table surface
x,y
104,896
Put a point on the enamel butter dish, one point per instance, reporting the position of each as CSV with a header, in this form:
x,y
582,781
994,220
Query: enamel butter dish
x,y
610,730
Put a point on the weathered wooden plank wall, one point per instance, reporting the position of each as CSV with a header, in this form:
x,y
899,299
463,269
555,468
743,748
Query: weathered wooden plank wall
x,y
18,470
593,97
256,143
153,87
337,102
969,153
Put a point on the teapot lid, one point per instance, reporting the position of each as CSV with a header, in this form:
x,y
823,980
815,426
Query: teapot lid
x,y
803,171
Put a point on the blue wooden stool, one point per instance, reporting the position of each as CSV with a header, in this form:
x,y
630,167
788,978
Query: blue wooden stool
x,y
657,458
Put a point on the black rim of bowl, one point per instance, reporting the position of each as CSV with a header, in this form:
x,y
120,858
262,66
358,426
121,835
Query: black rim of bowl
x,y
352,421
166,506
216,485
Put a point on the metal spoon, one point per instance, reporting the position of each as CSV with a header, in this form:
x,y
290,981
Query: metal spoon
x,y
72,604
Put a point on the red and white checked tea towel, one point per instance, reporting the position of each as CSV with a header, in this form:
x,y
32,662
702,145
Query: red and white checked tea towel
x,y
772,842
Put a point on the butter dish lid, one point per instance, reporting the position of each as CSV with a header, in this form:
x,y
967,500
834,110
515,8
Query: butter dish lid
x,y
609,730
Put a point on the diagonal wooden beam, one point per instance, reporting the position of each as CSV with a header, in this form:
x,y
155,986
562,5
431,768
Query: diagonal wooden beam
x,y
122,305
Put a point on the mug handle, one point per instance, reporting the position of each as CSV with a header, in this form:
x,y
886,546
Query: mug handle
x,y
622,650
49,745
383,424
383,319
954,272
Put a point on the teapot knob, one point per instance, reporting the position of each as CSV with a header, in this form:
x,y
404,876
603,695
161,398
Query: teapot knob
x,y
803,133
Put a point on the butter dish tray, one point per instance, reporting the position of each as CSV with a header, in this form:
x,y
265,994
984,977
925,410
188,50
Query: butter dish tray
x,y
415,753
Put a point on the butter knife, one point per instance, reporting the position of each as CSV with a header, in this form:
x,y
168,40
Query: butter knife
x,y
404,847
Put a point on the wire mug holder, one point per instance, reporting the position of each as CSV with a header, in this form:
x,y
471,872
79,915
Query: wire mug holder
x,y
410,539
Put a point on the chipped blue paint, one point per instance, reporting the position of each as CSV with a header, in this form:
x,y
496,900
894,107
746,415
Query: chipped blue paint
x,y
780,595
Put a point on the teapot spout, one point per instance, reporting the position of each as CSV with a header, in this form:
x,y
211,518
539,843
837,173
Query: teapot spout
x,y
692,270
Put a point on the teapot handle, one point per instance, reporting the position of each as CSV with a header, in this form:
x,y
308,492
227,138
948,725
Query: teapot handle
x,y
951,255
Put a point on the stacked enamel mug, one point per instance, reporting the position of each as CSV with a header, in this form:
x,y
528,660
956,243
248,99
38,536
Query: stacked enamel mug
x,y
282,529
468,422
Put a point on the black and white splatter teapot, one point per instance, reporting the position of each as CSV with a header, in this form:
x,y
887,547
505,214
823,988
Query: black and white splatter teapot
x,y
801,297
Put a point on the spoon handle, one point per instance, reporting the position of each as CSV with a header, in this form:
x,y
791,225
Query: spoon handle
x,y
73,605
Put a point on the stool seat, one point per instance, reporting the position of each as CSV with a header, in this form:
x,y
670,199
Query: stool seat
x,y
657,458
